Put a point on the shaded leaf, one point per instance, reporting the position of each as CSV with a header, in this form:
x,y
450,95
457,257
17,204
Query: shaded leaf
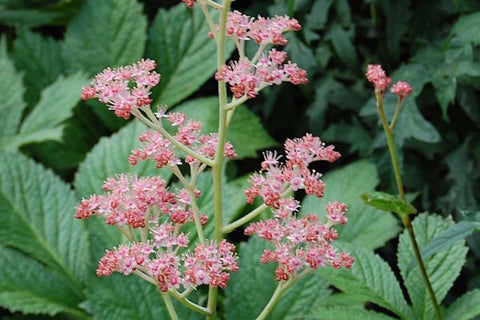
x,y
343,46
110,157
255,283
345,313
464,308
370,278
367,227
55,106
107,33
11,91
442,268
185,56
245,132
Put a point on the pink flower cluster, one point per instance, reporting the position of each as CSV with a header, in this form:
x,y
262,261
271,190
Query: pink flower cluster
x,y
157,148
247,79
302,243
376,75
277,179
124,88
208,264
135,202
262,30
299,243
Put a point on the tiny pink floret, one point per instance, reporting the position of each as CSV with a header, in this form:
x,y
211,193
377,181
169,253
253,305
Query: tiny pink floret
x,y
376,75
401,89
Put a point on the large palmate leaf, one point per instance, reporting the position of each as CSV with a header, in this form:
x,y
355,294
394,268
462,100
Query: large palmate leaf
x,y
106,33
41,60
120,297
367,227
36,217
251,287
372,279
186,57
442,268
30,287
345,313
55,106
11,93
245,132
110,157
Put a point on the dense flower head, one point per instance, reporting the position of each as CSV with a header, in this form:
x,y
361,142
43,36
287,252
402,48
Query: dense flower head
x,y
189,3
208,263
246,78
376,75
401,89
128,202
124,89
277,179
302,243
161,150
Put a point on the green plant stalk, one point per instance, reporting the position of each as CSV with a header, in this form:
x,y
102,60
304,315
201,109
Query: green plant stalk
x,y
169,305
405,218
281,288
219,158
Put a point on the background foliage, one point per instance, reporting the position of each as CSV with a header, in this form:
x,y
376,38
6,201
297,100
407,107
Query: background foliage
x,y
56,149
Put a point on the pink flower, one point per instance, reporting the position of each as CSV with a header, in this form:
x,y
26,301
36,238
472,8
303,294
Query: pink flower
x,y
248,79
378,77
124,89
401,89
189,3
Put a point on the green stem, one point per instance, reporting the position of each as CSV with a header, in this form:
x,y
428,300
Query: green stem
x,y
281,288
78,314
240,222
169,305
189,304
219,158
395,115
196,216
405,218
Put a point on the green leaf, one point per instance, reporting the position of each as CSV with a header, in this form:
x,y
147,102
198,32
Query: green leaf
x,y
128,297
388,202
245,132
26,17
467,28
442,268
367,227
343,46
300,53
107,33
41,60
445,91
55,106
110,157
447,238
255,283
464,308
412,124
11,93
37,218
30,287
370,278
318,16
185,56
345,313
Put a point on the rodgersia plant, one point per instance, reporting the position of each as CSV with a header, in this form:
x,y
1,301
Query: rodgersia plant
x,y
152,215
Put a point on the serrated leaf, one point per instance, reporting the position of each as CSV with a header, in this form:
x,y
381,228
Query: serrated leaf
x,y
185,56
128,297
370,278
29,287
367,227
107,33
464,308
318,16
55,106
467,28
412,124
388,202
254,283
245,132
37,218
442,268
447,238
445,91
11,93
110,157
40,59
26,17
345,313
